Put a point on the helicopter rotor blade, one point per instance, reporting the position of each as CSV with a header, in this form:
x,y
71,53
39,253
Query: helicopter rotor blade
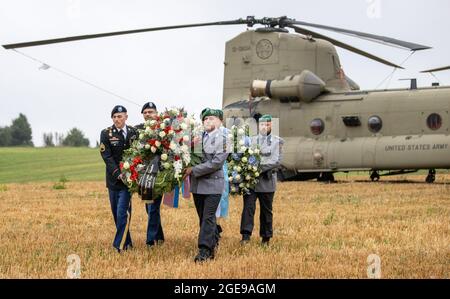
x,y
343,45
437,69
372,37
91,36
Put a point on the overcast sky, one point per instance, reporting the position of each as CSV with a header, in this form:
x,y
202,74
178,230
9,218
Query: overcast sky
x,y
182,67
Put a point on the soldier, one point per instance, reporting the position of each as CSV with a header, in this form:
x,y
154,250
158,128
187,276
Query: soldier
x,y
148,111
207,183
113,141
155,234
270,146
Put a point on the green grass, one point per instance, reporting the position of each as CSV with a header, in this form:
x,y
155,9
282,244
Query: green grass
x,y
27,164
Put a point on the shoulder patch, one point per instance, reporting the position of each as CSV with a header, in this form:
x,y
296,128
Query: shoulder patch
x,y
102,147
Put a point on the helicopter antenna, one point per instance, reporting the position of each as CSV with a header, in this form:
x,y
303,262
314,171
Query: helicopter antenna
x,y
45,66
391,74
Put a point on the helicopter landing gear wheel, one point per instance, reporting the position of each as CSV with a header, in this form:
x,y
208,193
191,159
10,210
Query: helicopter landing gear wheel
x,y
375,176
327,177
431,177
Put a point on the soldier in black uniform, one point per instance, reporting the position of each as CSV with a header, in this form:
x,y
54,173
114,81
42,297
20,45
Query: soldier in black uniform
x,y
147,111
113,141
155,234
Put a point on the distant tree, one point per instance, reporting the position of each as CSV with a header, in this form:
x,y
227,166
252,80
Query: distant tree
x,y
48,139
59,137
75,137
21,133
5,136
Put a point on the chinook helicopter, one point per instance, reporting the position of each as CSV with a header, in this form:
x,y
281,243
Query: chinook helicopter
x,y
328,124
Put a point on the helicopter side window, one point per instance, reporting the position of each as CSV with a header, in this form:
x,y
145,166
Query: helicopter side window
x,y
375,124
317,126
434,121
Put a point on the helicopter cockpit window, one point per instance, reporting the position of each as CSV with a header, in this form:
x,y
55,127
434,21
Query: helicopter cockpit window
x,y
317,126
434,121
375,124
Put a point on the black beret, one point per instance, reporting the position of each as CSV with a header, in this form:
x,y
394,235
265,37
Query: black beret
x,y
148,105
118,109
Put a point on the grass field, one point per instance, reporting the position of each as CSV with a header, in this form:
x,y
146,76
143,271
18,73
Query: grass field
x,y
50,164
320,230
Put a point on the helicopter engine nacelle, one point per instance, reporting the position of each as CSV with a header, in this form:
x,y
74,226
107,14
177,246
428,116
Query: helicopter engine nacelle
x,y
304,87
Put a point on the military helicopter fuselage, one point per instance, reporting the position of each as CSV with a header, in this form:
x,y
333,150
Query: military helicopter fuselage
x,y
327,123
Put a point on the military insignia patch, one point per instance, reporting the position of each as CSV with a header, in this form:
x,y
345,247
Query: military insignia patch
x,y
102,147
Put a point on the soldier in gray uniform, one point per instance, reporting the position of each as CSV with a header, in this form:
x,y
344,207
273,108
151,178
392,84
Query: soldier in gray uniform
x,y
270,146
207,183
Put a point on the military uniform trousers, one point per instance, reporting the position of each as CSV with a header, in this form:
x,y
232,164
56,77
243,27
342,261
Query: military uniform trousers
x,y
121,209
206,206
265,216
154,228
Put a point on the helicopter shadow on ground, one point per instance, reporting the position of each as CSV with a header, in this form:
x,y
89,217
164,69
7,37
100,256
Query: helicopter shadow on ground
x,y
399,182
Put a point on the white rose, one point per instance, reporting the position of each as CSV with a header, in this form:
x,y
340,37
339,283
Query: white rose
x,y
162,134
238,169
141,136
243,149
153,149
241,142
241,185
166,165
256,174
147,146
244,159
126,165
241,132
250,152
164,157
171,132
152,122
238,177
172,146
230,179
157,143
248,178
162,126
255,168
256,151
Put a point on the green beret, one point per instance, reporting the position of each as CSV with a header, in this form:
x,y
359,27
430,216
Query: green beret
x,y
220,114
211,112
266,118
202,116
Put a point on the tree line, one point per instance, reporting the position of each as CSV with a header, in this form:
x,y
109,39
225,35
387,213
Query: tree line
x,y
19,133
